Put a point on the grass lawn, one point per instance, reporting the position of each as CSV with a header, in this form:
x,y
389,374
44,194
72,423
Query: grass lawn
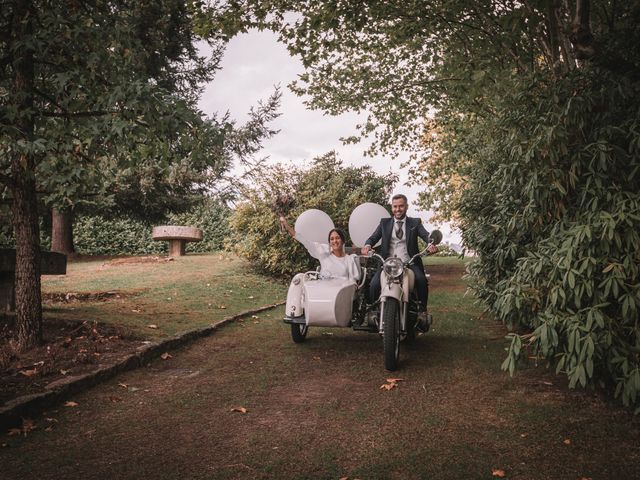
x,y
186,293
316,410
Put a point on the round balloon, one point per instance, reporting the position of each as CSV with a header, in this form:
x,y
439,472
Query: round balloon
x,y
364,220
314,225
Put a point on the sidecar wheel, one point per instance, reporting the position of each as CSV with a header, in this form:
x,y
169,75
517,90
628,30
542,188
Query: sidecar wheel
x,y
299,332
391,334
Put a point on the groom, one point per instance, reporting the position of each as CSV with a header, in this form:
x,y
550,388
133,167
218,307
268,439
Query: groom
x,y
400,238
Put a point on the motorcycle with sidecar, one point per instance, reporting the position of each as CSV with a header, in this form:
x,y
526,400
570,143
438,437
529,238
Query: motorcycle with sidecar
x,y
315,301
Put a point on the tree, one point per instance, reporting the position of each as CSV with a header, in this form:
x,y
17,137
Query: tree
x,y
326,185
90,89
170,177
530,108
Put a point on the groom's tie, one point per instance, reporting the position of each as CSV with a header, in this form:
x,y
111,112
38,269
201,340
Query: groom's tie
x,y
399,232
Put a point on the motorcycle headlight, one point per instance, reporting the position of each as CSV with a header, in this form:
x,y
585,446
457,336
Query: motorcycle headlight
x,y
393,267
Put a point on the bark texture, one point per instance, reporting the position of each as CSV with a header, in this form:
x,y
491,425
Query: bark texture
x,y
62,232
25,213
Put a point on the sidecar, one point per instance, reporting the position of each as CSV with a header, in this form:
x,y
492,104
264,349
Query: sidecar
x,y
324,302
314,301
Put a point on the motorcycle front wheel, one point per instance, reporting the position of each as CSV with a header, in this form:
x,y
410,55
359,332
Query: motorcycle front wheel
x,y
391,334
299,332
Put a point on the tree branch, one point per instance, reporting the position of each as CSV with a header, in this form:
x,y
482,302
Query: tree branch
x,y
50,99
581,36
96,113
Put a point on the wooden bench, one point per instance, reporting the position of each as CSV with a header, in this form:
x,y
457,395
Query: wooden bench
x,y
51,263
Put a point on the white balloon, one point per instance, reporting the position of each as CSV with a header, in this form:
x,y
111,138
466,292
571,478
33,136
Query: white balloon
x,y
364,220
314,225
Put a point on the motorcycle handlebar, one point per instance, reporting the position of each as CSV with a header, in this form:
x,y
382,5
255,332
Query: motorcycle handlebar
x,y
409,262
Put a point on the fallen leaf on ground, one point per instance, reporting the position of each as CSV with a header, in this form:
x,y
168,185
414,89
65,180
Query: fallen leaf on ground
x,y
567,441
29,373
152,325
524,435
165,356
49,428
71,404
254,316
328,334
123,385
222,307
250,297
394,380
64,372
27,426
497,473
388,386
51,420
239,409
115,399
317,358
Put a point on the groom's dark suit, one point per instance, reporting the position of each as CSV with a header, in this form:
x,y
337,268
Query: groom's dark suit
x,y
413,229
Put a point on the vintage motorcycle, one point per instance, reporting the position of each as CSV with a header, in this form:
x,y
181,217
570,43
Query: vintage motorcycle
x,y
337,302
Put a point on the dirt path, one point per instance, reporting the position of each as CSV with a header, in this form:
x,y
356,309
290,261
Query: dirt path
x,y
316,410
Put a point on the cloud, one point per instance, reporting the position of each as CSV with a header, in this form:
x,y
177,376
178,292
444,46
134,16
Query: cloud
x,y
253,65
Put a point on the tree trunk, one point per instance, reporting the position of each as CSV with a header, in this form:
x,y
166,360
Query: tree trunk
x,y
62,232
25,212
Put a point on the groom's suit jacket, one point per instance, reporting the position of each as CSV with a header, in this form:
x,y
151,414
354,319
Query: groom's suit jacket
x,y
413,230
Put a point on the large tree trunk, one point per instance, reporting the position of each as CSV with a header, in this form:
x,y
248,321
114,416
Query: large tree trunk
x,y
62,232
25,212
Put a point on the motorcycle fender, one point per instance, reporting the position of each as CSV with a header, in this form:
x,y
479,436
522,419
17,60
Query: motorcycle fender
x,y
393,290
390,289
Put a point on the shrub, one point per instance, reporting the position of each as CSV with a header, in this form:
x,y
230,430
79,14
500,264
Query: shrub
x,y
96,235
326,185
551,207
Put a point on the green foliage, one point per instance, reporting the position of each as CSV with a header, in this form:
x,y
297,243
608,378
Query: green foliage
x,y
212,216
556,228
525,117
96,235
326,185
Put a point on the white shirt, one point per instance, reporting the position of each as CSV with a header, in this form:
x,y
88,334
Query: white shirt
x,y
330,265
398,247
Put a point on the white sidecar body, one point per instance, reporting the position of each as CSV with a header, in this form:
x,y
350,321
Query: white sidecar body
x,y
324,302
328,302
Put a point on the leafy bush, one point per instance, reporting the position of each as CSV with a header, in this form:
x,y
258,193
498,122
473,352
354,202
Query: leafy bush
x,y
212,217
552,207
95,235
326,185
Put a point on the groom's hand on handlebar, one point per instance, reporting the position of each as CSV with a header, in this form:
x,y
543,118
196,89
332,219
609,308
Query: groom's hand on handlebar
x,y
365,250
431,248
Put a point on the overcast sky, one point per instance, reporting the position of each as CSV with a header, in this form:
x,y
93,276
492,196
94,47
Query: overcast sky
x,y
253,65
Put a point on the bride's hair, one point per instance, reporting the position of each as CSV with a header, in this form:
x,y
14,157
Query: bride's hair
x,y
340,233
